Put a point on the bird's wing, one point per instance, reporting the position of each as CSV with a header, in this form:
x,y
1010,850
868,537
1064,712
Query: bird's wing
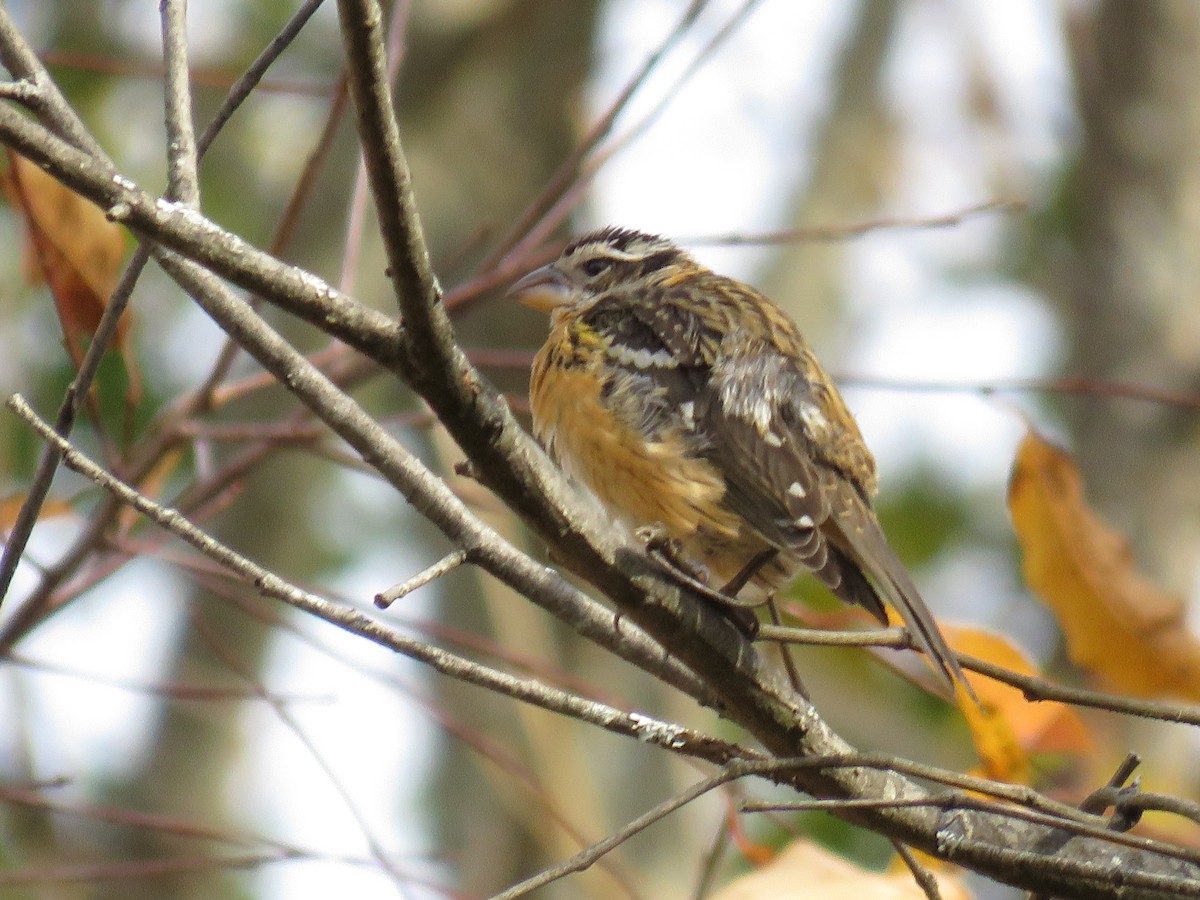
x,y
740,394
781,444
772,479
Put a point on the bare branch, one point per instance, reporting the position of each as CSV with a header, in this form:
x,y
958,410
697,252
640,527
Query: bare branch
x,y
1068,385
1033,687
253,76
183,183
632,724
590,855
829,233
18,57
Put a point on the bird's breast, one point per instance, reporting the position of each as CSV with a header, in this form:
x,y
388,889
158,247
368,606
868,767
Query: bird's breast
x,y
641,478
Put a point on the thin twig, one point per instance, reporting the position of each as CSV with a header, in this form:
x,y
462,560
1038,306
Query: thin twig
x,y
590,855
557,214
1070,385
830,233
1034,688
23,62
445,565
217,647
64,422
252,78
563,177
1097,802
924,878
712,861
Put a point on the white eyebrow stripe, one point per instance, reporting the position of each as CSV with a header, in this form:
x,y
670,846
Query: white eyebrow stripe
x,y
614,253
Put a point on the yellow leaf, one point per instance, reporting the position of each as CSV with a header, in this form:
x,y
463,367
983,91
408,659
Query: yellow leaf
x,y
1008,729
805,871
1118,625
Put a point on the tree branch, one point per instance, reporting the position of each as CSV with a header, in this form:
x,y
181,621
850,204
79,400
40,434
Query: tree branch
x,y
728,672
644,728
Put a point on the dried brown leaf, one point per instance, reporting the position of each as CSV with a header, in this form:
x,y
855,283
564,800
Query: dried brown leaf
x,y
1118,625
70,246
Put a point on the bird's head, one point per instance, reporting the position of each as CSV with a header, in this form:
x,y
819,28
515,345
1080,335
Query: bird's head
x,y
600,261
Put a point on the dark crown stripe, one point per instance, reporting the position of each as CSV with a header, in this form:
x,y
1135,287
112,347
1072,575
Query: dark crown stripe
x,y
616,237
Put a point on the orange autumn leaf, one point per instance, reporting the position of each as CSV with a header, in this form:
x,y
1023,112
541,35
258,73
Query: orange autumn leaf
x,y
70,245
1009,729
805,871
1118,626
757,854
10,508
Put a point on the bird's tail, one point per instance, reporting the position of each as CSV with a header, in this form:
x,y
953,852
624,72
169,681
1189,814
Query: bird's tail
x,y
872,573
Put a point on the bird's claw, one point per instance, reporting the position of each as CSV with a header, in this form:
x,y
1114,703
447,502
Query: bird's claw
x,y
667,552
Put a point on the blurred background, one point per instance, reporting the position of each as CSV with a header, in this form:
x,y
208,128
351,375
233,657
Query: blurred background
x,y
258,754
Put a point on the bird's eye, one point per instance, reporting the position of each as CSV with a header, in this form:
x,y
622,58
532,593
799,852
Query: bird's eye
x,y
595,266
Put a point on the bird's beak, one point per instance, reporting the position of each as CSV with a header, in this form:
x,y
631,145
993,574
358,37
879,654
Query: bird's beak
x,y
542,289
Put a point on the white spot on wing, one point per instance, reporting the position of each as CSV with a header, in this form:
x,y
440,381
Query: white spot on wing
x,y
762,413
688,411
644,359
805,522
773,439
796,489
813,418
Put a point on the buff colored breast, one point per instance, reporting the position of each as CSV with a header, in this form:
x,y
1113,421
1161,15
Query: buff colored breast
x,y
642,482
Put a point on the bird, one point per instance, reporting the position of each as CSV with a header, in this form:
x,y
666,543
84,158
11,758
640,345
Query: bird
x,y
692,406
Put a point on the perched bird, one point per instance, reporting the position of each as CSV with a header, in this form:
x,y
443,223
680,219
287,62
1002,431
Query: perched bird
x,y
690,403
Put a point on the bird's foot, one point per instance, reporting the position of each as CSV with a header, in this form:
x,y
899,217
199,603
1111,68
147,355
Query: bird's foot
x,y
734,586
667,552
